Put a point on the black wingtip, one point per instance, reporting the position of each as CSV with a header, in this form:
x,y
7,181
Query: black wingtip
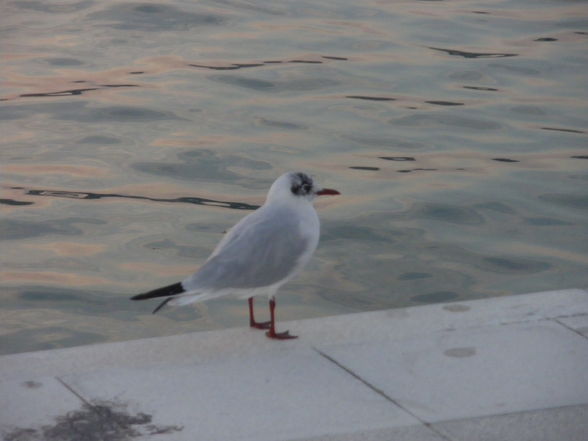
x,y
170,290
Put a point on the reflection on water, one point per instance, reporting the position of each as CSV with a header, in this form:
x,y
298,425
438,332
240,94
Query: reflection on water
x,y
87,195
465,54
72,91
134,134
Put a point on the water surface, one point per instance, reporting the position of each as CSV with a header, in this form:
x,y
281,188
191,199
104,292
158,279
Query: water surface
x,y
135,133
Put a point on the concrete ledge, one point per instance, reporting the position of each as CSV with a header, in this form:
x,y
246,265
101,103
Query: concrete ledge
x,y
451,371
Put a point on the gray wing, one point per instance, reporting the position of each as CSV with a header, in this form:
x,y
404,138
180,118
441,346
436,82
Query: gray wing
x,y
261,250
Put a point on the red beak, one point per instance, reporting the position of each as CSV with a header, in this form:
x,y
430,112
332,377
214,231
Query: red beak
x,y
327,191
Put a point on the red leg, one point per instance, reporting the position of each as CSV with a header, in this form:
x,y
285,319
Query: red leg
x,y
252,322
272,329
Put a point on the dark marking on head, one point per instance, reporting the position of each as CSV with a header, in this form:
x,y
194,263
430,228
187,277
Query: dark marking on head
x,y
301,184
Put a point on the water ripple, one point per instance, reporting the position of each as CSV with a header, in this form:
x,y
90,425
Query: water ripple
x,y
93,196
71,92
153,17
465,54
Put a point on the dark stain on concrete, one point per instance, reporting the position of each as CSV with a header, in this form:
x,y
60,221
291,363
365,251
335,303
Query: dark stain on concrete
x,y
460,352
456,307
100,421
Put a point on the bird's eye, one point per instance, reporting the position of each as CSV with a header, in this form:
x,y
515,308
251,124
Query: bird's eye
x,y
306,188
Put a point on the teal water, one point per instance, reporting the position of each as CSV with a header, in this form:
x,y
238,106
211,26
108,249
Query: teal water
x,y
133,134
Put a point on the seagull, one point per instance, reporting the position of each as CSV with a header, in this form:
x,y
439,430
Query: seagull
x,y
262,252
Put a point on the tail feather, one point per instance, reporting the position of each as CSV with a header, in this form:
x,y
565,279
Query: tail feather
x,y
166,291
161,305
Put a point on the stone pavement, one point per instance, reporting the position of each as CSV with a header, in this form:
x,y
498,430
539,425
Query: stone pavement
x,y
508,368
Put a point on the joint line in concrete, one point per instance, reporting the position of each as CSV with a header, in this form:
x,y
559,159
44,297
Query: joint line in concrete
x,y
569,328
72,390
381,393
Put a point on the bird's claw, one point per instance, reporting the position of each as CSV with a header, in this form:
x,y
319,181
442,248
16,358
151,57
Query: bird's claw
x,y
280,335
260,325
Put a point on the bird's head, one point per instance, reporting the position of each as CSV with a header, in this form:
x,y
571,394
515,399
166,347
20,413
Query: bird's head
x,y
297,185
